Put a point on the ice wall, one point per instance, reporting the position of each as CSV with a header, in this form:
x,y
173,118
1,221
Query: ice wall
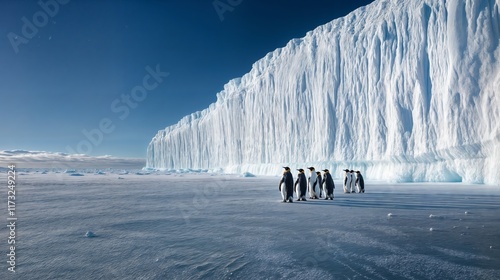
x,y
402,90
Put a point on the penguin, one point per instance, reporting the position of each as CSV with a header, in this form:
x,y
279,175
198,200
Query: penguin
x,y
320,183
302,185
282,187
353,182
286,185
313,182
360,182
347,181
328,184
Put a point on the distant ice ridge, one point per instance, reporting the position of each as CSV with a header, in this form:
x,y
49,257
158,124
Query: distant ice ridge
x,y
401,90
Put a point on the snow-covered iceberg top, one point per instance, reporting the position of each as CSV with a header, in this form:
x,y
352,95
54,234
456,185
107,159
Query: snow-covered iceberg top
x,y
401,90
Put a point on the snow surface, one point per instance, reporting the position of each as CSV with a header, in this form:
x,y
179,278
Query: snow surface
x,y
208,226
406,91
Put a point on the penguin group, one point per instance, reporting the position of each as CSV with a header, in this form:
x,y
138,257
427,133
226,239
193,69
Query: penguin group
x,y
314,184
351,182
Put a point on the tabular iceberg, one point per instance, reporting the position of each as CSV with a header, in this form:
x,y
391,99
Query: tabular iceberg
x,y
402,90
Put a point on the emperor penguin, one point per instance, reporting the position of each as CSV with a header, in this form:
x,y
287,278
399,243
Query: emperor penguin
x,y
353,181
282,187
328,184
360,182
320,183
286,185
313,183
347,181
301,185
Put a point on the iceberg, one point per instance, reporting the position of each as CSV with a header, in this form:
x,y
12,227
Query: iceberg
x,y
405,91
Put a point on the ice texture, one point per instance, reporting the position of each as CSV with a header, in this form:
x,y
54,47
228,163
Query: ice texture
x,y
406,91
197,226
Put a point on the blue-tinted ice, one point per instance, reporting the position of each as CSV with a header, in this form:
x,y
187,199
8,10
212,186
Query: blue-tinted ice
x,y
223,227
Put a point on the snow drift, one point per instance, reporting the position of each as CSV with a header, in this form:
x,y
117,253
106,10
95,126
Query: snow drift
x,y
402,90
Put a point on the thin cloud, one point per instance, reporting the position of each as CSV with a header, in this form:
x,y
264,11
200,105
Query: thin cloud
x,y
42,159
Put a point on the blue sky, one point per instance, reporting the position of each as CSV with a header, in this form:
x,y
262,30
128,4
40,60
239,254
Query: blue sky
x,y
91,76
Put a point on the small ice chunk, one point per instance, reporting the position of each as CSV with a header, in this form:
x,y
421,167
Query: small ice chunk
x,y
431,229
432,216
247,175
389,215
467,212
491,247
90,234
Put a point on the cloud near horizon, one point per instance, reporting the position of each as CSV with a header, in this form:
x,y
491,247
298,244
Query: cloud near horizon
x,y
42,159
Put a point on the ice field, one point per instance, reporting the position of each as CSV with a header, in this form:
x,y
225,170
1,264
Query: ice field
x,y
191,226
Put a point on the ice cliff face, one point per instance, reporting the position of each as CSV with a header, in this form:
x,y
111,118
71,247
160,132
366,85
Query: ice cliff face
x,y
401,90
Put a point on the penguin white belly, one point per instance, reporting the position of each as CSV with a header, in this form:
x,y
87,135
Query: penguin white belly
x,y
313,184
312,193
347,184
283,191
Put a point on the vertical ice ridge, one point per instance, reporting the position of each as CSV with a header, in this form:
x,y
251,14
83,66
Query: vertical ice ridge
x,y
411,86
